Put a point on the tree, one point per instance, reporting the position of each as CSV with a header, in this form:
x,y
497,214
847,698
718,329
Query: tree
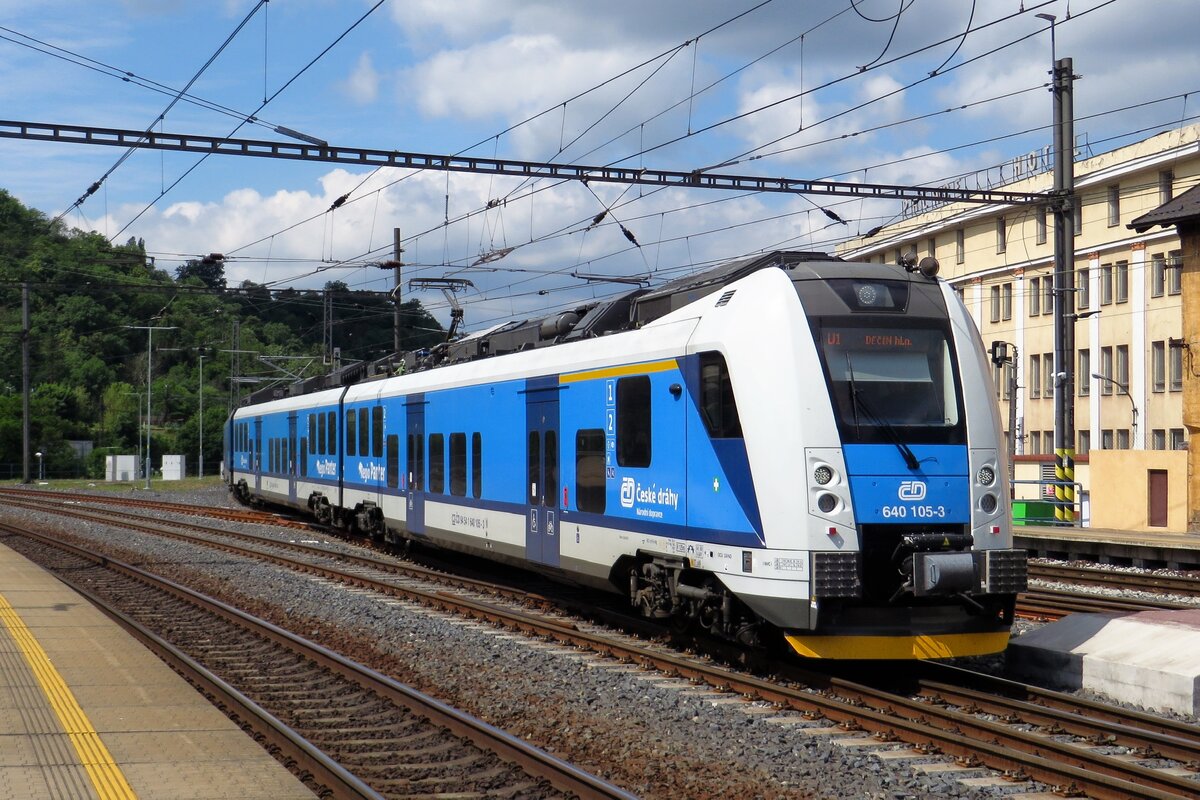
x,y
209,270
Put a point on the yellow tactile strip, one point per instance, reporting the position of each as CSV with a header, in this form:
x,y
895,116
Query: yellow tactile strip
x,y
105,775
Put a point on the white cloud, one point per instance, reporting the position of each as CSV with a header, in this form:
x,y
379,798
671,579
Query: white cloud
x,y
363,84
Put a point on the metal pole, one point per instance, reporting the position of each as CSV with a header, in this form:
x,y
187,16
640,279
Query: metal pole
x,y
25,478
1012,424
1064,294
200,460
149,329
396,251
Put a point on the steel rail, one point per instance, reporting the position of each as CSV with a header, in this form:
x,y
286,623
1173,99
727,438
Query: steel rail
x,y
886,714
534,761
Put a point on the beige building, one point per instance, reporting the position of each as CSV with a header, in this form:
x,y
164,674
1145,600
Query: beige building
x,y
1128,326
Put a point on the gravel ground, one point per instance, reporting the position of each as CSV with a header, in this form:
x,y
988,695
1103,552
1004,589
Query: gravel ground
x,y
654,738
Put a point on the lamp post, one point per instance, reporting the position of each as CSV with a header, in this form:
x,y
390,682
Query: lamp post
x,y
1125,391
149,329
41,471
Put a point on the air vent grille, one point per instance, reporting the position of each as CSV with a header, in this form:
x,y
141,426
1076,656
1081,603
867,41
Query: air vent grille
x,y
725,298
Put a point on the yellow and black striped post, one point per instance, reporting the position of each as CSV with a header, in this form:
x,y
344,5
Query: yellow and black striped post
x,y
1064,486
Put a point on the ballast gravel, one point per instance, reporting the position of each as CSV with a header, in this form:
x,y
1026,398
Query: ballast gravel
x,y
654,736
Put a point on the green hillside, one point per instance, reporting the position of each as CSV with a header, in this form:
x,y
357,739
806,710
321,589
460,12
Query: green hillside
x,y
88,367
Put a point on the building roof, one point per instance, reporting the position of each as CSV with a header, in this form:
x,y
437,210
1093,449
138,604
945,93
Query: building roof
x,y
1185,208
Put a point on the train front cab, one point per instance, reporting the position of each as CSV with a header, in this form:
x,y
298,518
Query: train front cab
x,y
916,478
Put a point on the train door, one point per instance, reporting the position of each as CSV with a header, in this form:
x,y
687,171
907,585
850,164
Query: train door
x,y
256,455
289,458
542,474
414,464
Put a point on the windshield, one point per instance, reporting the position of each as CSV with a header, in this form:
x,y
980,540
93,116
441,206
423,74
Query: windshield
x,y
888,378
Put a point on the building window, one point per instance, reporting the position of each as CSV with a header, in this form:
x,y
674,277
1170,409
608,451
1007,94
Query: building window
x,y
1106,440
1158,439
931,247
1035,377
1085,443
1035,297
1077,215
1176,369
1035,443
1039,218
1123,364
1048,438
960,246
1178,439
898,256
633,421
1106,284
1174,268
1166,186
1085,372
1001,235
1106,367
1006,301
1123,439
995,295
1122,281
589,470
1084,295
1158,277
1114,206
1048,373
1158,366
1047,295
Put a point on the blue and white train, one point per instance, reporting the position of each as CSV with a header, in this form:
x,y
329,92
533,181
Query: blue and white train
x,y
788,446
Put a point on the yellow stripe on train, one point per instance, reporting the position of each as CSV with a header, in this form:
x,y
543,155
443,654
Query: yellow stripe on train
x,y
928,646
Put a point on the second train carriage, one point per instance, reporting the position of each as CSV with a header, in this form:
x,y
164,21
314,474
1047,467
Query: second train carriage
x,y
790,440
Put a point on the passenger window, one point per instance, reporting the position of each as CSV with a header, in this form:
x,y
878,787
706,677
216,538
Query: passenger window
x,y
437,463
717,405
393,461
377,431
351,433
312,431
633,421
458,464
364,433
320,434
332,433
589,470
476,465
550,495
535,466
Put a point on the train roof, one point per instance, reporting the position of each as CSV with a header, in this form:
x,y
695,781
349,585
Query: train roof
x,y
625,312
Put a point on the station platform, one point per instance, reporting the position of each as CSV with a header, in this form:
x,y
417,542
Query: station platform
x,y
87,713
1151,658
1148,549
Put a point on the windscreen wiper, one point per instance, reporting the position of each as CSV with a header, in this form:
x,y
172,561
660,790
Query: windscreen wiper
x,y
858,403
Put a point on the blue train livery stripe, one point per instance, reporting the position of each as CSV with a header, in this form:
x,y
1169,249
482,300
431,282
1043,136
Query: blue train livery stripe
x,y
885,490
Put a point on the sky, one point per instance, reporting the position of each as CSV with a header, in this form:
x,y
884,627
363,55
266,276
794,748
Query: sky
x,y
875,91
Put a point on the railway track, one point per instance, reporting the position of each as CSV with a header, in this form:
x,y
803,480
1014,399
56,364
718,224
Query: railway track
x,y
1115,579
350,731
1072,751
